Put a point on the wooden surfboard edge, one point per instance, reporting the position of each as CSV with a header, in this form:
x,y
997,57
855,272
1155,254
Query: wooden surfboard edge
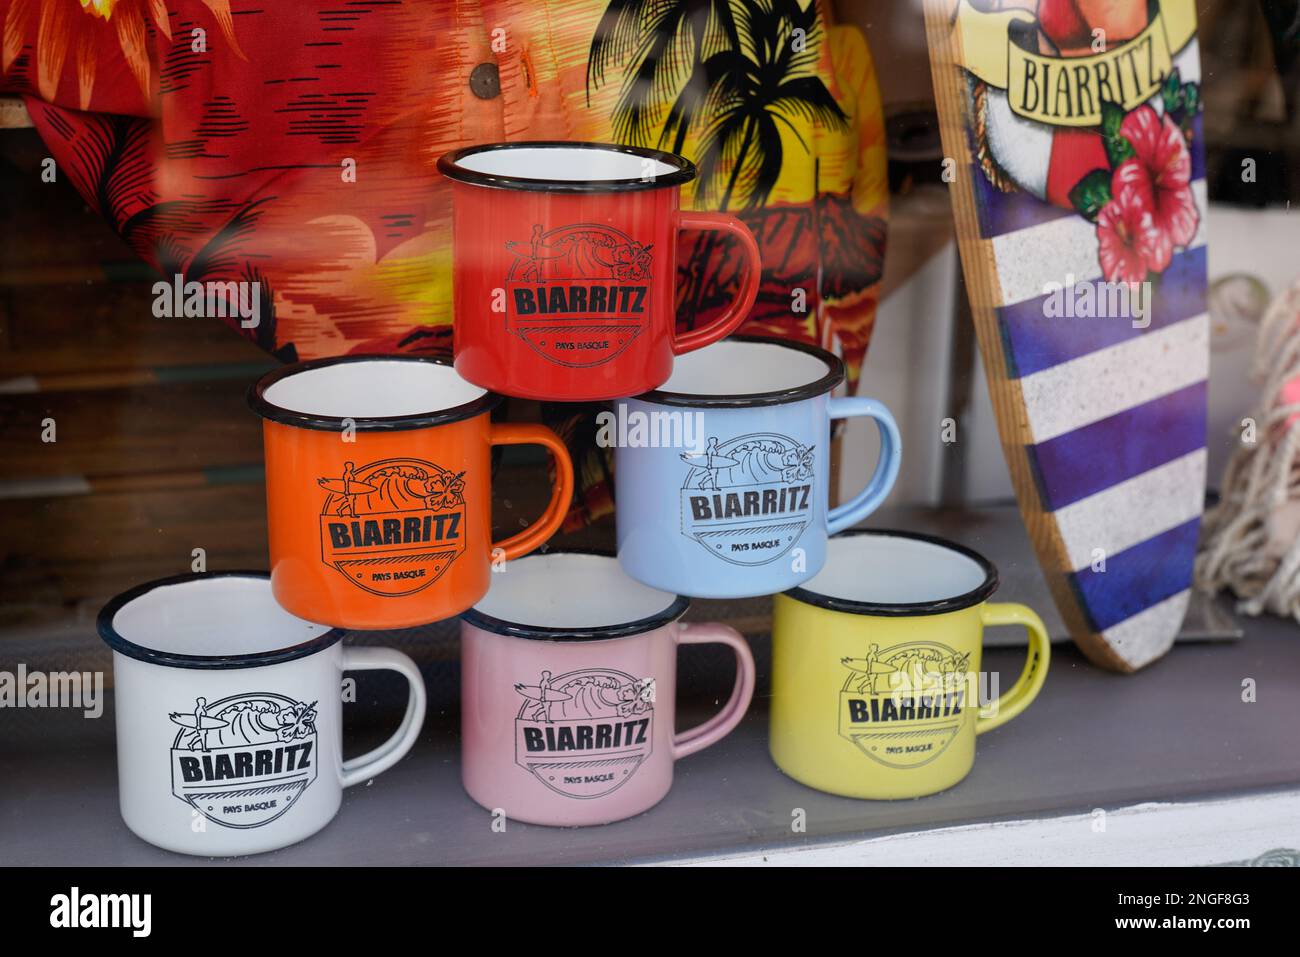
x,y
1008,404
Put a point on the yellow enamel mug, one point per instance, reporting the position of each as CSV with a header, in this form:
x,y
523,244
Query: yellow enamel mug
x,y
876,682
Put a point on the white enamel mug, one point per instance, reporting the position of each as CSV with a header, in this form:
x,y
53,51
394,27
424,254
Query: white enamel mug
x,y
230,714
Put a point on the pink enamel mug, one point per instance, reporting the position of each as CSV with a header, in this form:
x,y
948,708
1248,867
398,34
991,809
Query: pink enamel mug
x,y
569,691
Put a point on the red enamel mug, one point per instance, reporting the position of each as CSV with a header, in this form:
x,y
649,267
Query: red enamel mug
x,y
564,258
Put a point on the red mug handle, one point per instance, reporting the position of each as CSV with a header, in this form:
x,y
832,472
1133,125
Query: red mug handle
x,y
722,723
729,321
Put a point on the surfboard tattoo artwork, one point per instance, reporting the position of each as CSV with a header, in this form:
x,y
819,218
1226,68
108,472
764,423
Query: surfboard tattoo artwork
x,y
1074,136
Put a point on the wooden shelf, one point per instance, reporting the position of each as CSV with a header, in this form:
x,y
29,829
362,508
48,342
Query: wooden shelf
x,y
1183,769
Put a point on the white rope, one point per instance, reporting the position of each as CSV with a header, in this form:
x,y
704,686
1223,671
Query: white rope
x,y
1244,542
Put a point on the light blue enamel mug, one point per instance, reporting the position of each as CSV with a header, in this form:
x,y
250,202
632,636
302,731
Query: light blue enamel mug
x,y
722,474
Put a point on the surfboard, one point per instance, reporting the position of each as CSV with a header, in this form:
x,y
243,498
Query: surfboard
x,y
1076,168
353,487
877,667
208,724
707,460
534,693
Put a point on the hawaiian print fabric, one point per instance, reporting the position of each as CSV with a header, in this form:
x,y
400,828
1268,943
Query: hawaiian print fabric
x,y
295,144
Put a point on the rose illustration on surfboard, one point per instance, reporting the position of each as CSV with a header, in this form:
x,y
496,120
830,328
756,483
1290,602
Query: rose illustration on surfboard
x,y
748,500
245,760
584,734
578,294
392,527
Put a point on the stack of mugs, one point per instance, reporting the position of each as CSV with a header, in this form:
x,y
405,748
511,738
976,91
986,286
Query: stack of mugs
x,y
379,504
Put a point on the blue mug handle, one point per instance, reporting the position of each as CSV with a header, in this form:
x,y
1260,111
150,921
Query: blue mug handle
x,y
882,480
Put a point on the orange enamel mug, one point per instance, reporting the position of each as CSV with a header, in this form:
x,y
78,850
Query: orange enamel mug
x,y
379,491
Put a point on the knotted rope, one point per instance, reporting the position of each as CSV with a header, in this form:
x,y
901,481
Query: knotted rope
x,y
1250,542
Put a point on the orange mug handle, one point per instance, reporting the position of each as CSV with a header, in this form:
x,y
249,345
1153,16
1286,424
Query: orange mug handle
x,y
730,320
536,535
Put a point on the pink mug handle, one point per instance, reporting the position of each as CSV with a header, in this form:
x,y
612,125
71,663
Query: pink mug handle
x,y
725,721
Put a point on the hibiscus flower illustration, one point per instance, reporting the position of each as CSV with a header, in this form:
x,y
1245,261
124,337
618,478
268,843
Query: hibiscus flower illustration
x,y
297,722
1146,206
1125,234
798,464
445,491
633,262
1157,178
636,697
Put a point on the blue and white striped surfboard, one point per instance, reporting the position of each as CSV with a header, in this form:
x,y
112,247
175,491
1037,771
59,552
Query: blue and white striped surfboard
x,y
1103,423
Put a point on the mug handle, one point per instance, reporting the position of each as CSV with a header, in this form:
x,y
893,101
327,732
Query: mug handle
x,y
365,767
882,480
725,721
536,535
730,320
1031,679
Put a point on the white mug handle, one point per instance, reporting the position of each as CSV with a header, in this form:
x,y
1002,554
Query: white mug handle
x,y
366,766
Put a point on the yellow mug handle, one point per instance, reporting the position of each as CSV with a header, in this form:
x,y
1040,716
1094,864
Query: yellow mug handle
x,y
1030,682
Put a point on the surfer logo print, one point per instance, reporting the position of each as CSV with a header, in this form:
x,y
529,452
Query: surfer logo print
x,y
392,527
749,499
585,733
245,760
577,295
902,706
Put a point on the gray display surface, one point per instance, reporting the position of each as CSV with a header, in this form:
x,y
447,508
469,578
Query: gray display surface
x,y
1177,730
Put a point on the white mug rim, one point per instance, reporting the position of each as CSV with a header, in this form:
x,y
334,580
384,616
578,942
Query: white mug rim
x,y
752,400
808,595
452,166
625,629
167,659
258,401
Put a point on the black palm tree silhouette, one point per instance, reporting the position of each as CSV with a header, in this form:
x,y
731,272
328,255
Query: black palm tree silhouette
x,y
738,75
664,46
753,91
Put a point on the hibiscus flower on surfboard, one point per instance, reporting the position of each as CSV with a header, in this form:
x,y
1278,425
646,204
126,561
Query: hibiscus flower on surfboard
x,y
1130,174
1081,122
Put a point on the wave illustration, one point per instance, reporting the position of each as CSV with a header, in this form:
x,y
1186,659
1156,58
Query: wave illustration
x,y
600,696
401,487
251,723
759,462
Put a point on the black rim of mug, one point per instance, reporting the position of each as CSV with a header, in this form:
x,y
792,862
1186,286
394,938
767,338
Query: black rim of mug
x,y
115,640
833,377
918,609
449,166
514,629
258,402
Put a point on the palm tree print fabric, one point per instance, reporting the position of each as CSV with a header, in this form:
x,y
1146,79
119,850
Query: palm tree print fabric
x,y
781,133
295,145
